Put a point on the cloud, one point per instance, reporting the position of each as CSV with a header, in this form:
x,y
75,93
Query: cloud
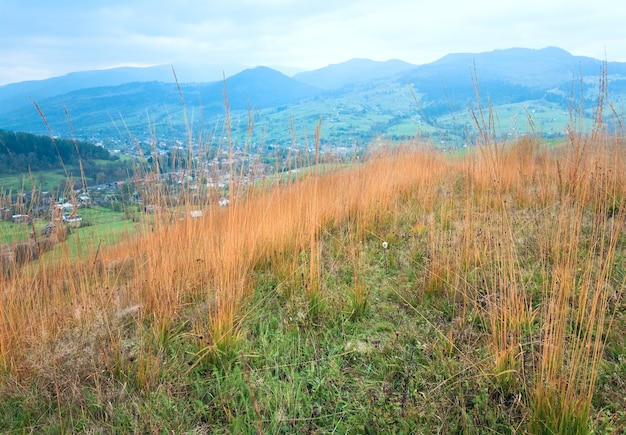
x,y
58,37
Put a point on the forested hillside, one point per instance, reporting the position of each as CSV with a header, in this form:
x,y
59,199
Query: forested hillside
x,y
21,152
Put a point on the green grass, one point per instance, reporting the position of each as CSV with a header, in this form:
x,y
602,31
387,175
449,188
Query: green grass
x,y
513,119
11,232
101,227
44,180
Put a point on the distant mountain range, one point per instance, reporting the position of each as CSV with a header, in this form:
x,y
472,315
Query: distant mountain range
x,y
355,70
357,100
16,94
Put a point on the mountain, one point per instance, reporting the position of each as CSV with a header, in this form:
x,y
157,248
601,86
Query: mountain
x,y
352,71
542,68
92,111
357,101
16,95
104,110
260,87
509,76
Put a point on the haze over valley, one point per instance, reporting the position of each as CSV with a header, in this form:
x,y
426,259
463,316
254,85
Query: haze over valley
x,y
357,101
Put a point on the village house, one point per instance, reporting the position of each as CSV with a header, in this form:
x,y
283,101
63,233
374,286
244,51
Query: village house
x,y
21,218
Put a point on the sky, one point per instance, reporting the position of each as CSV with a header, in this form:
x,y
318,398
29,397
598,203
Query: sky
x,y
42,38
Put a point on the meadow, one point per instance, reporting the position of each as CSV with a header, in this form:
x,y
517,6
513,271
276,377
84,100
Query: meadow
x,y
415,291
47,180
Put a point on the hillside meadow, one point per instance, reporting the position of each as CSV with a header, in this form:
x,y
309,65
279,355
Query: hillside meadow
x,y
413,292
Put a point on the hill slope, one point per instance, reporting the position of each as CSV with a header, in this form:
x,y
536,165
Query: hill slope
x,y
352,71
101,111
16,95
358,100
408,293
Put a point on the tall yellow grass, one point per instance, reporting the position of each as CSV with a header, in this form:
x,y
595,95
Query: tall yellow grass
x,y
205,262
498,222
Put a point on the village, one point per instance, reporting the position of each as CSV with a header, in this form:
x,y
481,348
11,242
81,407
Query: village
x,y
207,183
169,177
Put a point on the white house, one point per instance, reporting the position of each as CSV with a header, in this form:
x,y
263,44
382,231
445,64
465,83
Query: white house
x,y
21,218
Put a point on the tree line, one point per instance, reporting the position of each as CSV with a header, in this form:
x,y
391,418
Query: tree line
x,y
21,152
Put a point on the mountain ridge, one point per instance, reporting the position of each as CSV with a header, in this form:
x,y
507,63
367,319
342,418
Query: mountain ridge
x,y
337,75
258,88
358,98
19,93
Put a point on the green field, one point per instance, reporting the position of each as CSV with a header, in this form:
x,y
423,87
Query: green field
x,y
44,180
100,227
515,120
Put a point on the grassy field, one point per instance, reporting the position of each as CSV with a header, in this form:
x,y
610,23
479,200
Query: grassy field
x,y
101,227
478,291
516,120
44,180
99,222
417,292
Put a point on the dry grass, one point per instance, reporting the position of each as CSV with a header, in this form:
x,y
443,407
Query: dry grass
x,y
209,260
522,238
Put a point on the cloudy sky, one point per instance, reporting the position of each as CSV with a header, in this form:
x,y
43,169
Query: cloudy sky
x,y
43,38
